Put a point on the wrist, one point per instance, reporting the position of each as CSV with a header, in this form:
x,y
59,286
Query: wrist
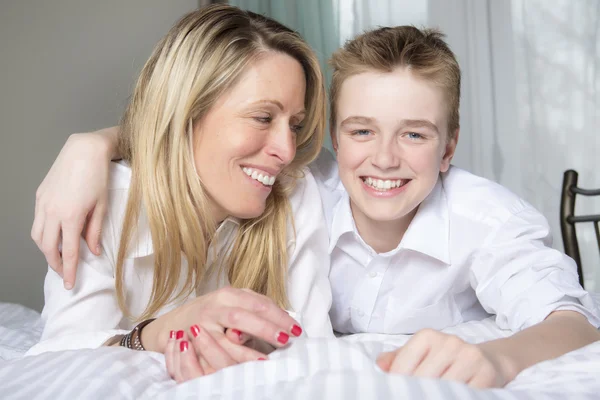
x,y
151,338
507,365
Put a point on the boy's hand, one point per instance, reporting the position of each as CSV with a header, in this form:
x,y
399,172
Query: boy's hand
x,y
432,354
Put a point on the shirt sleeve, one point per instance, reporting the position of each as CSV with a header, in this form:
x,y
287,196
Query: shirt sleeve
x,y
521,279
86,316
308,286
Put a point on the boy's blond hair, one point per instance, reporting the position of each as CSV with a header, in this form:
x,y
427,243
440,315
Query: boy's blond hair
x,y
422,51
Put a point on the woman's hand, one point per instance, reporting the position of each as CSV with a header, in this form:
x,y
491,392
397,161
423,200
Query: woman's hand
x,y
432,354
74,191
187,353
207,318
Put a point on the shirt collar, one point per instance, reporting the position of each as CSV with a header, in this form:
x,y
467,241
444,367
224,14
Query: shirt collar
x,y
142,245
428,233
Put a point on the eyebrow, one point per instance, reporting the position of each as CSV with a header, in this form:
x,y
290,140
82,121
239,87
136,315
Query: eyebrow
x,y
278,104
410,123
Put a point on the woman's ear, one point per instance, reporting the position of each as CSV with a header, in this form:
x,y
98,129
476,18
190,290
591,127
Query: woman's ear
x,y
449,151
334,139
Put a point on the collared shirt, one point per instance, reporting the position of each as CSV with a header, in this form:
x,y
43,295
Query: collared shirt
x,y
473,249
88,315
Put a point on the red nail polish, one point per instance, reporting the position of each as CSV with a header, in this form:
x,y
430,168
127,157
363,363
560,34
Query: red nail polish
x,y
283,337
261,359
238,333
195,330
296,330
172,335
183,346
179,335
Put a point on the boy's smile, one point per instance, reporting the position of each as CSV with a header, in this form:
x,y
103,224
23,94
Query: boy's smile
x,y
391,140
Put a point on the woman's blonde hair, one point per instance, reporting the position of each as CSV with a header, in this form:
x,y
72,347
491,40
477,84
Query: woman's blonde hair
x,y
423,51
200,58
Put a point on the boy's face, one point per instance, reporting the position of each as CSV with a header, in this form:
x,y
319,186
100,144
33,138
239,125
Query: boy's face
x,y
391,141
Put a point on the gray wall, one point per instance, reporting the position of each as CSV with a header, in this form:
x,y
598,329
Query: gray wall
x,y
65,66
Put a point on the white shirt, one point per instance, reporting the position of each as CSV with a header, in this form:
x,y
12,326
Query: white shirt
x,y
472,249
88,315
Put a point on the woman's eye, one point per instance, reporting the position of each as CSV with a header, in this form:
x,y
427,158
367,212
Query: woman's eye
x,y
264,120
361,132
297,128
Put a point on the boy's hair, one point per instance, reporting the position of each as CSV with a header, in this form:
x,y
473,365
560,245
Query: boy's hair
x,y
422,51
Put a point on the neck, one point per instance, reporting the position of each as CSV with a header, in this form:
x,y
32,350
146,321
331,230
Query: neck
x,y
382,236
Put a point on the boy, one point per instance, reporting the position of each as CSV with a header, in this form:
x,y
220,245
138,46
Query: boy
x,y
418,245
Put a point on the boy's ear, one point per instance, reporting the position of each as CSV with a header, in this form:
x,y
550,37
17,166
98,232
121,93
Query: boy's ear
x,y
449,151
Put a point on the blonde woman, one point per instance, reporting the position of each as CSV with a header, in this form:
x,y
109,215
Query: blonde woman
x,y
199,241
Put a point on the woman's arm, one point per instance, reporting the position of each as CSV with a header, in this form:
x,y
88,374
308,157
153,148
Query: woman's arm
x,y
72,197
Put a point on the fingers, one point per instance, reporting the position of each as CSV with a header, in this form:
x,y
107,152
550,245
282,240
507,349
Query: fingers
x,y
236,336
253,324
170,354
410,356
70,251
260,305
208,348
93,229
50,240
442,355
384,361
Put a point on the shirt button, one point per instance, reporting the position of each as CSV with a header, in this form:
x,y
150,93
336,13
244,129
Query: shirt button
x,y
372,274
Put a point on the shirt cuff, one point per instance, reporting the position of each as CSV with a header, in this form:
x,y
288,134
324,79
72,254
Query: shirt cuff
x,y
75,341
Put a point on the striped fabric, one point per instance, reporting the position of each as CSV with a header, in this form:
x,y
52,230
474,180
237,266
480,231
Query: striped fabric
x,y
308,369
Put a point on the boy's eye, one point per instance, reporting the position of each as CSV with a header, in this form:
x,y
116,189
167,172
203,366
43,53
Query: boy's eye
x,y
414,136
361,132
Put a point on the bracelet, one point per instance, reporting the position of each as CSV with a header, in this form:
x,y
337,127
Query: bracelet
x,y
133,340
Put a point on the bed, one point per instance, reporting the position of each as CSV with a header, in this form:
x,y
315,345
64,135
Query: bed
x,y
307,369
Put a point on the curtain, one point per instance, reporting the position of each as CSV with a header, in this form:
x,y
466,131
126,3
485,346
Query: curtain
x,y
557,59
313,19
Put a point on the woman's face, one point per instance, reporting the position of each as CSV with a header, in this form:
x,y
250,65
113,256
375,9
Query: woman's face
x,y
249,136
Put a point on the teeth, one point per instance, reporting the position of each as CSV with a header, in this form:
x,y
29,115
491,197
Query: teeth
x,y
383,185
259,176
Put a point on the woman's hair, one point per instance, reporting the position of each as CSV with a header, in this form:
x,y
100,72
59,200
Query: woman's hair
x,y
200,58
423,52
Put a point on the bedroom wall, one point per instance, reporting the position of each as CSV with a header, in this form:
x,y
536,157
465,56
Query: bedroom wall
x,y
65,66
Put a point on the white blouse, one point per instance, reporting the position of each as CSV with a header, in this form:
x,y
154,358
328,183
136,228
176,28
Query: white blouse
x,y
88,315
473,249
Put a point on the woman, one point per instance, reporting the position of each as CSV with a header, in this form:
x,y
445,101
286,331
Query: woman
x,y
226,114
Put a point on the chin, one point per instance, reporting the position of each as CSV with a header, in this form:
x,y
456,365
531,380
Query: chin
x,y
249,212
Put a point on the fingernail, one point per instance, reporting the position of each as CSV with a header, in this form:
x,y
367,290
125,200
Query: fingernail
x,y
172,335
68,285
283,337
262,359
238,333
98,249
296,330
179,335
195,330
183,346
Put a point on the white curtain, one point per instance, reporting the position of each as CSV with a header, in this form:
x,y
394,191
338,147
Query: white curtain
x,y
530,106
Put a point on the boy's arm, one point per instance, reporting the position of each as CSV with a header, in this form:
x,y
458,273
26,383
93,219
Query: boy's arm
x,y
533,289
560,333
72,196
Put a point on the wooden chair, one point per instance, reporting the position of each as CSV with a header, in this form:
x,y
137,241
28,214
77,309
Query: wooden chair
x,y
568,219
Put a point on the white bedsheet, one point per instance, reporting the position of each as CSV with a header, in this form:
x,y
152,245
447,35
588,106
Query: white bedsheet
x,y
307,369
